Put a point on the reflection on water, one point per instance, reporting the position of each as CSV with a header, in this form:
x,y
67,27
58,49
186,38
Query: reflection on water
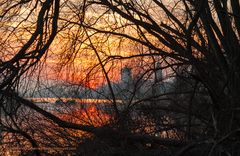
x,y
94,112
63,104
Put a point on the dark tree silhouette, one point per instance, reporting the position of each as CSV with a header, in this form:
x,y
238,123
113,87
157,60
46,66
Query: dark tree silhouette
x,y
198,40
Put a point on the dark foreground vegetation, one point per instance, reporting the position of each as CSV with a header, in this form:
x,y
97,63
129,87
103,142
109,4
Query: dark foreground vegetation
x,y
196,43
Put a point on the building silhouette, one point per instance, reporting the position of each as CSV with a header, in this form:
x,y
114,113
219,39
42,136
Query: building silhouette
x,y
130,88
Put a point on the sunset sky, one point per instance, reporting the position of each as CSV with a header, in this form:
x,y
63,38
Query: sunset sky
x,y
71,56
